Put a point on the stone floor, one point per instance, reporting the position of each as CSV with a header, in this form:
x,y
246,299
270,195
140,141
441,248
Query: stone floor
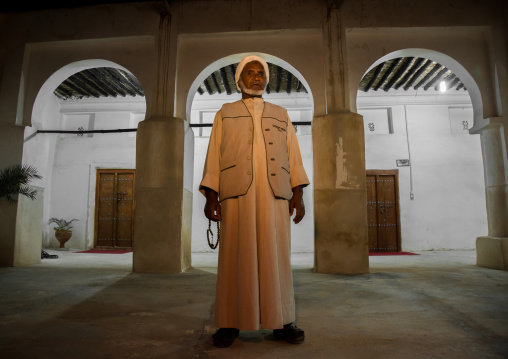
x,y
438,304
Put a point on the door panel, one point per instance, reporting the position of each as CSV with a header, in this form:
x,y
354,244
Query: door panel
x,y
125,213
383,211
114,208
372,211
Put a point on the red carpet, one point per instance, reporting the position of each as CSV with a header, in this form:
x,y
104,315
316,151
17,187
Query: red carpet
x,y
106,251
392,254
116,251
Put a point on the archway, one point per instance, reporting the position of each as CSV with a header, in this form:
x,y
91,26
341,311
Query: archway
x,y
70,161
450,63
204,101
422,136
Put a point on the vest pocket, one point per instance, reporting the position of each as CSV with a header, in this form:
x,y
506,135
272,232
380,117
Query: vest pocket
x,y
285,169
279,128
222,170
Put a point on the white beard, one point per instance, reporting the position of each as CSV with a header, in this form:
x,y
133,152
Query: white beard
x,y
250,91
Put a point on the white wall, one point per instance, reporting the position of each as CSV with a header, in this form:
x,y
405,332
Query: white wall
x,y
77,158
448,210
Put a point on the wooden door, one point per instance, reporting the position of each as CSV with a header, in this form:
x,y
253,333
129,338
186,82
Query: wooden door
x,y
114,208
383,210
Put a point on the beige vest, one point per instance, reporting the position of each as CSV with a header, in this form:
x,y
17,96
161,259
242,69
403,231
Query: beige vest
x,y
236,150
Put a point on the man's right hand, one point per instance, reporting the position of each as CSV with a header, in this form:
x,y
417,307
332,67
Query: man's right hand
x,y
212,205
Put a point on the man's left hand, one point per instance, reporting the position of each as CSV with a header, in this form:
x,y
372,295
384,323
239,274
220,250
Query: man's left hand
x,y
296,202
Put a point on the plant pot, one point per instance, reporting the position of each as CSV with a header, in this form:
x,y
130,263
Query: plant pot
x,y
63,236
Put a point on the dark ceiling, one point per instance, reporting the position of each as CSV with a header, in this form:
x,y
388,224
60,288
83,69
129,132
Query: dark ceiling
x,y
409,73
21,6
99,82
402,73
405,72
110,82
223,81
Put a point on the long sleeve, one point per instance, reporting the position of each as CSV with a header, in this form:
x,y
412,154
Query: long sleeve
x,y
211,170
297,171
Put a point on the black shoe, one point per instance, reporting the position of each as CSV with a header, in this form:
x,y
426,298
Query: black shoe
x,y
291,333
224,337
45,254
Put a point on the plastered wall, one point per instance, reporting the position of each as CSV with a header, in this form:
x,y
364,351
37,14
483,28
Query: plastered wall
x,y
442,199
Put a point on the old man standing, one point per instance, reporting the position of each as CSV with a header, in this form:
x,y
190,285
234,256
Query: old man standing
x,y
253,181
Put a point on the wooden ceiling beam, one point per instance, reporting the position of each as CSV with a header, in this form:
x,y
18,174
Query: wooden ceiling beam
x,y
90,83
62,93
105,83
411,81
397,76
135,84
232,69
413,67
279,79
454,82
208,87
427,76
74,88
288,84
436,78
387,73
461,86
215,83
85,86
121,82
113,82
102,82
298,85
225,80
374,77
92,74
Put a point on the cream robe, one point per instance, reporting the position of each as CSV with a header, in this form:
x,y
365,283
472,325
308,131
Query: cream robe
x,y
254,281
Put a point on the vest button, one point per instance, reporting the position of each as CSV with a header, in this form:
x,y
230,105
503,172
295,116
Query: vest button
x,y
249,173
249,142
248,157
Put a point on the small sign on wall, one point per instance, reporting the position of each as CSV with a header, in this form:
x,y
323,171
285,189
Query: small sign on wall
x,y
461,120
377,121
402,163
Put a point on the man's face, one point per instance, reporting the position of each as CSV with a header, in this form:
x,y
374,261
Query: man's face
x,y
253,78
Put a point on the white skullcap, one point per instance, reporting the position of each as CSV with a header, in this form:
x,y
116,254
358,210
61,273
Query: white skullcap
x,y
244,62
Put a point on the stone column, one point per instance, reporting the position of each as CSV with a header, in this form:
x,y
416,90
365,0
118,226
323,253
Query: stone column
x,y
11,150
340,195
157,246
161,237
492,250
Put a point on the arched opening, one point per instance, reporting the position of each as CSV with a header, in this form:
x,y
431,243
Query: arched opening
x,y
83,141
425,181
215,86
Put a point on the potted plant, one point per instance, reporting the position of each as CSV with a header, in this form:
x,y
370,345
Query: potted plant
x,y
63,230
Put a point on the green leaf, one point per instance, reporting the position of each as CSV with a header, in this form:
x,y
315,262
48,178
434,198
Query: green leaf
x,y
14,181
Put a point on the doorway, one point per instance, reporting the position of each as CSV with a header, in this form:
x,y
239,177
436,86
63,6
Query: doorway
x,y
383,215
114,208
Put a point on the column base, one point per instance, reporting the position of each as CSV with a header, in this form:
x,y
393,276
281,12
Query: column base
x,y
492,252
